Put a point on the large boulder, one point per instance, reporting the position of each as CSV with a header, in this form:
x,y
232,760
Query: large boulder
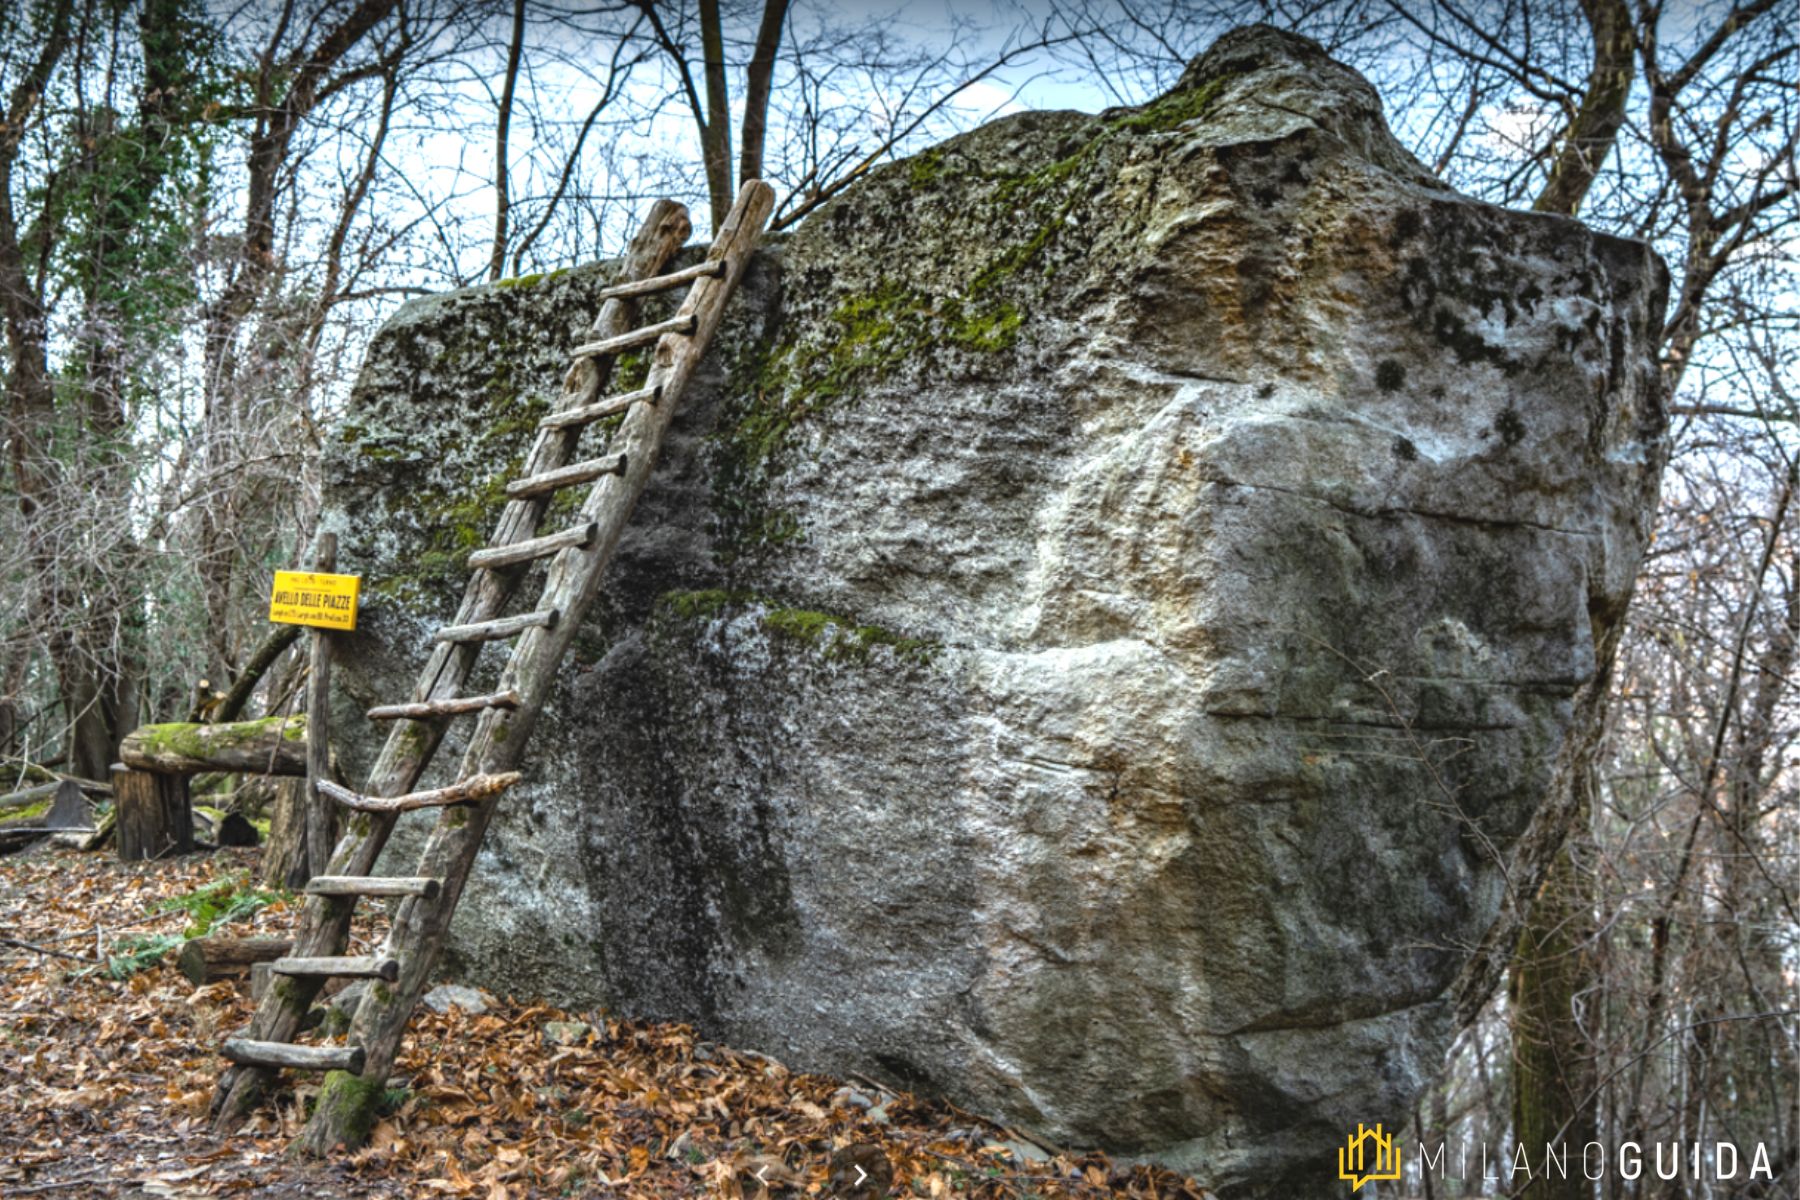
x,y
1109,610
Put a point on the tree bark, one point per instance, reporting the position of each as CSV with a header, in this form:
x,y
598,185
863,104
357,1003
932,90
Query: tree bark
x,y
272,648
284,853
502,127
758,83
715,135
155,816
1555,1078
1595,126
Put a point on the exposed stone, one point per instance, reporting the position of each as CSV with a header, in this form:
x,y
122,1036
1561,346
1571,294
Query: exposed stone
x,y
1113,601
445,996
566,1033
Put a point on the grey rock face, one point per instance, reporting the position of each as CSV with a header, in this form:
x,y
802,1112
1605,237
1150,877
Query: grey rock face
x,y
1109,611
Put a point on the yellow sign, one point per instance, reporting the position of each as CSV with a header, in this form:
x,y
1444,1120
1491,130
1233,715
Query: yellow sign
x,y
1369,1156
309,598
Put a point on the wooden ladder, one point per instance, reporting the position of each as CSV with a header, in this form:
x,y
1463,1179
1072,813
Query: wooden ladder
x,y
578,555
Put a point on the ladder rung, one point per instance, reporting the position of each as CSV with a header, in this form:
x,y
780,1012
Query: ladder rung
x,y
515,553
562,477
425,709
589,413
373,885
286,1054
354,966
475,787
662,283
683,324
504,627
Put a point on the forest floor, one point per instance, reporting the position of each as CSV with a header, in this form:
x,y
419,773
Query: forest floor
x,y
109,1057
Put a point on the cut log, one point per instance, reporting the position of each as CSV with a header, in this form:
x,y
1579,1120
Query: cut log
x,y
271,746
495,557
209,959
427,709
586,414
300,1058
353,966
662,283
373,885
570,476
475,787
156,817
503,627
683,324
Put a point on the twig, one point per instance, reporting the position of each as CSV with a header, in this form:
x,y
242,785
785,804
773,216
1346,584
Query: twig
x,y
60,1183
6,941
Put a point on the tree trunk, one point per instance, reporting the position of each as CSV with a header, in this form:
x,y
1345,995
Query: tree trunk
x,y
1555,1080
758,82
284,853
1595,127
155,816
503,126
715,136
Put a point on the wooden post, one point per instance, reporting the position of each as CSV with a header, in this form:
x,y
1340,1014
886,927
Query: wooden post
x,y
155,816
319,807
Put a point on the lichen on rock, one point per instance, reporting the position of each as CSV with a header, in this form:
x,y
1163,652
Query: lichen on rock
x,y
1097,662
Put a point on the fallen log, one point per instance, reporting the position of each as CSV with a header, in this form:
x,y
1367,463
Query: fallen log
x,y
17,838
19,772
26,797
271,746
209,959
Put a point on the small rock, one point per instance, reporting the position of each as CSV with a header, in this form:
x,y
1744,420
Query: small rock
x,y
440,998
566,1033
879,1114
849,1097
1022,1151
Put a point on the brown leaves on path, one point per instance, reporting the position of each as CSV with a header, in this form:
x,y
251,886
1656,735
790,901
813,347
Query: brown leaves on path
x,y
104,1084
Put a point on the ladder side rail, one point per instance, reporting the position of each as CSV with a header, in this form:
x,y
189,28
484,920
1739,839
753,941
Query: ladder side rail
x,y
499,740
411,744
